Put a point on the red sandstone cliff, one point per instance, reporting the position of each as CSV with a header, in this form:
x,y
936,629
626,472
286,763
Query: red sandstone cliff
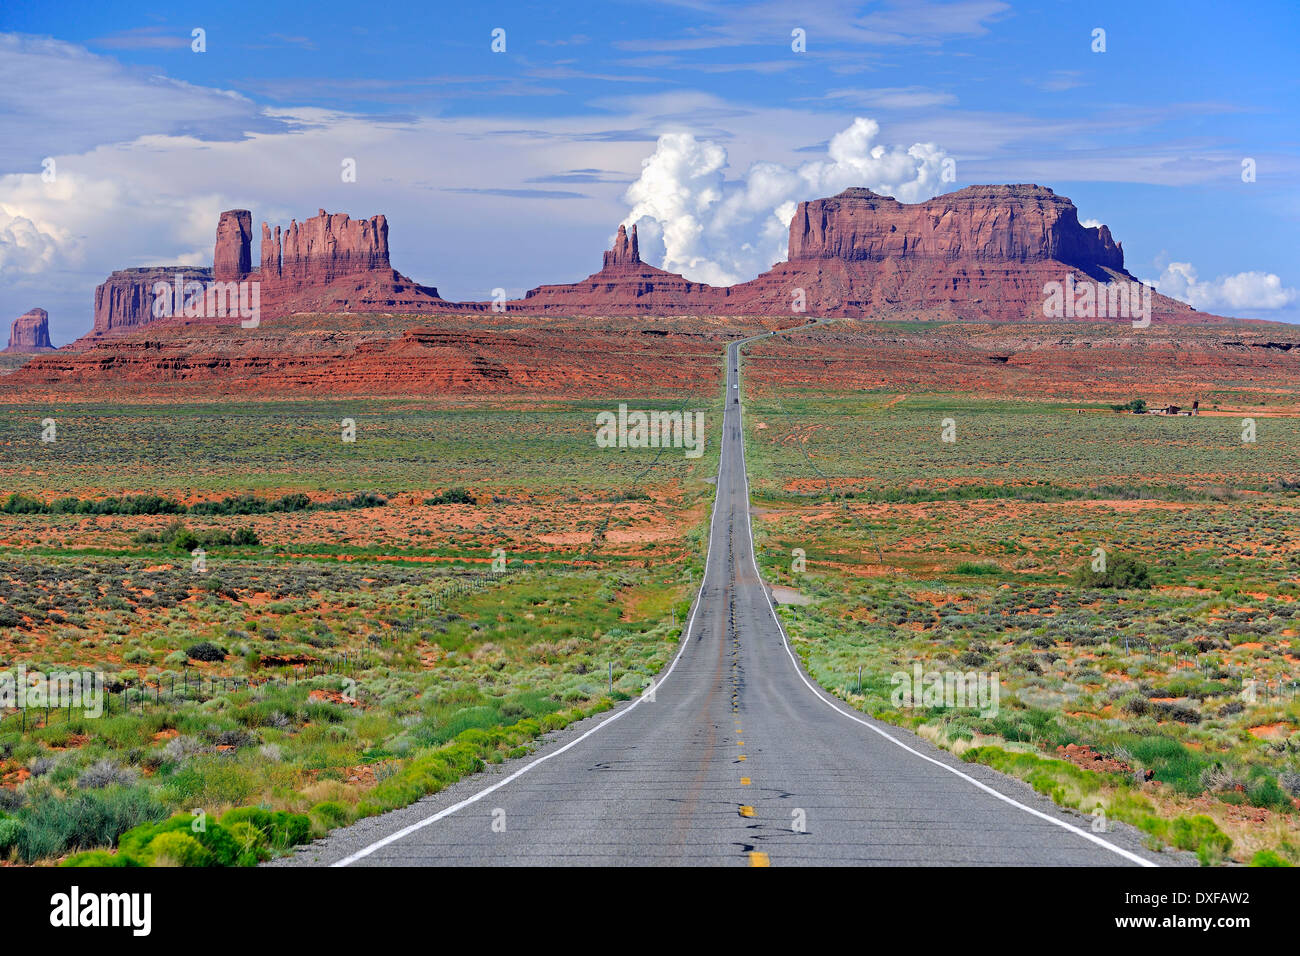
x,y
983,253
230,259
125,299
30,332
977,224
626,254
319,250
333,263
330,263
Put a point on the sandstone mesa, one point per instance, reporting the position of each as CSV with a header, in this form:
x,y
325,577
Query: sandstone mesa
x,y
983,253
30,332
976,261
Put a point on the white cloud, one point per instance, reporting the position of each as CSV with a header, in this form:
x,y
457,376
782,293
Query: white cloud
x,y
722,232
58,98
25,247
145,164
1090,223
1243,291
892,98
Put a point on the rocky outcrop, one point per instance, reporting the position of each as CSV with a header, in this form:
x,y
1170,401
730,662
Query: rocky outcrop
x,y
231,259
333,263
30,332
271,253
978,224
330,263
624,285
984,253
626,254
125,299
320,250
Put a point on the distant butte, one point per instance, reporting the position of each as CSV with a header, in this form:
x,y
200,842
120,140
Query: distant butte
x,y
983,253
30,332
330,263
625,285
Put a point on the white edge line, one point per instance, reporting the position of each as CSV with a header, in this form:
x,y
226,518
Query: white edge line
x,y
684,640
753,554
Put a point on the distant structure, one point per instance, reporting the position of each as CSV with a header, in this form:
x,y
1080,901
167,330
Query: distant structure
x,y
1175,409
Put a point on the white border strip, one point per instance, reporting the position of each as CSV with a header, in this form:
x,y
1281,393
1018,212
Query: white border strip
x,y
685,641
1126,854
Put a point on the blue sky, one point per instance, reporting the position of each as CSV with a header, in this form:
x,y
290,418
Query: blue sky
x,y
511,169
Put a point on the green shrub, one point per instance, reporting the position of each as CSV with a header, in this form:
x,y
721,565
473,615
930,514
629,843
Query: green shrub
x,y
54,825
1198,833
242,837
1173,763
281,828
330,813
139,844
245,536
1121,572
206,651
1267,858
98,858
11,832
1265,792
1138,405
178,849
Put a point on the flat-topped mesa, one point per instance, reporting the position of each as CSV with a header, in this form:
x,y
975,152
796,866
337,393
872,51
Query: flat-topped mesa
x,y
1020,223
125,299
30,332
231,258
626,254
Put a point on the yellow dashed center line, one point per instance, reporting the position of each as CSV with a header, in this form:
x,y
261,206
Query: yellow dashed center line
x,y
746,811
759,858
744,781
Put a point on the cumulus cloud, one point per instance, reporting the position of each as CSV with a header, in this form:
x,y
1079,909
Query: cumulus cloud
x,y
1243,291
25,247
722,231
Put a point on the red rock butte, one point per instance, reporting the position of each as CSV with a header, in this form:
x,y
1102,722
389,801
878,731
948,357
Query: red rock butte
x,y
624,285
330,263
983,253
30,332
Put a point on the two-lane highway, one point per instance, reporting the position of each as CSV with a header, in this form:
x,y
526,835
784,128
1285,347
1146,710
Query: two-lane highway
x,y
738,759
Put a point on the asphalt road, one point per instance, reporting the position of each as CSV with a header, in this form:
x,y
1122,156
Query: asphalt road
x,y
738,759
